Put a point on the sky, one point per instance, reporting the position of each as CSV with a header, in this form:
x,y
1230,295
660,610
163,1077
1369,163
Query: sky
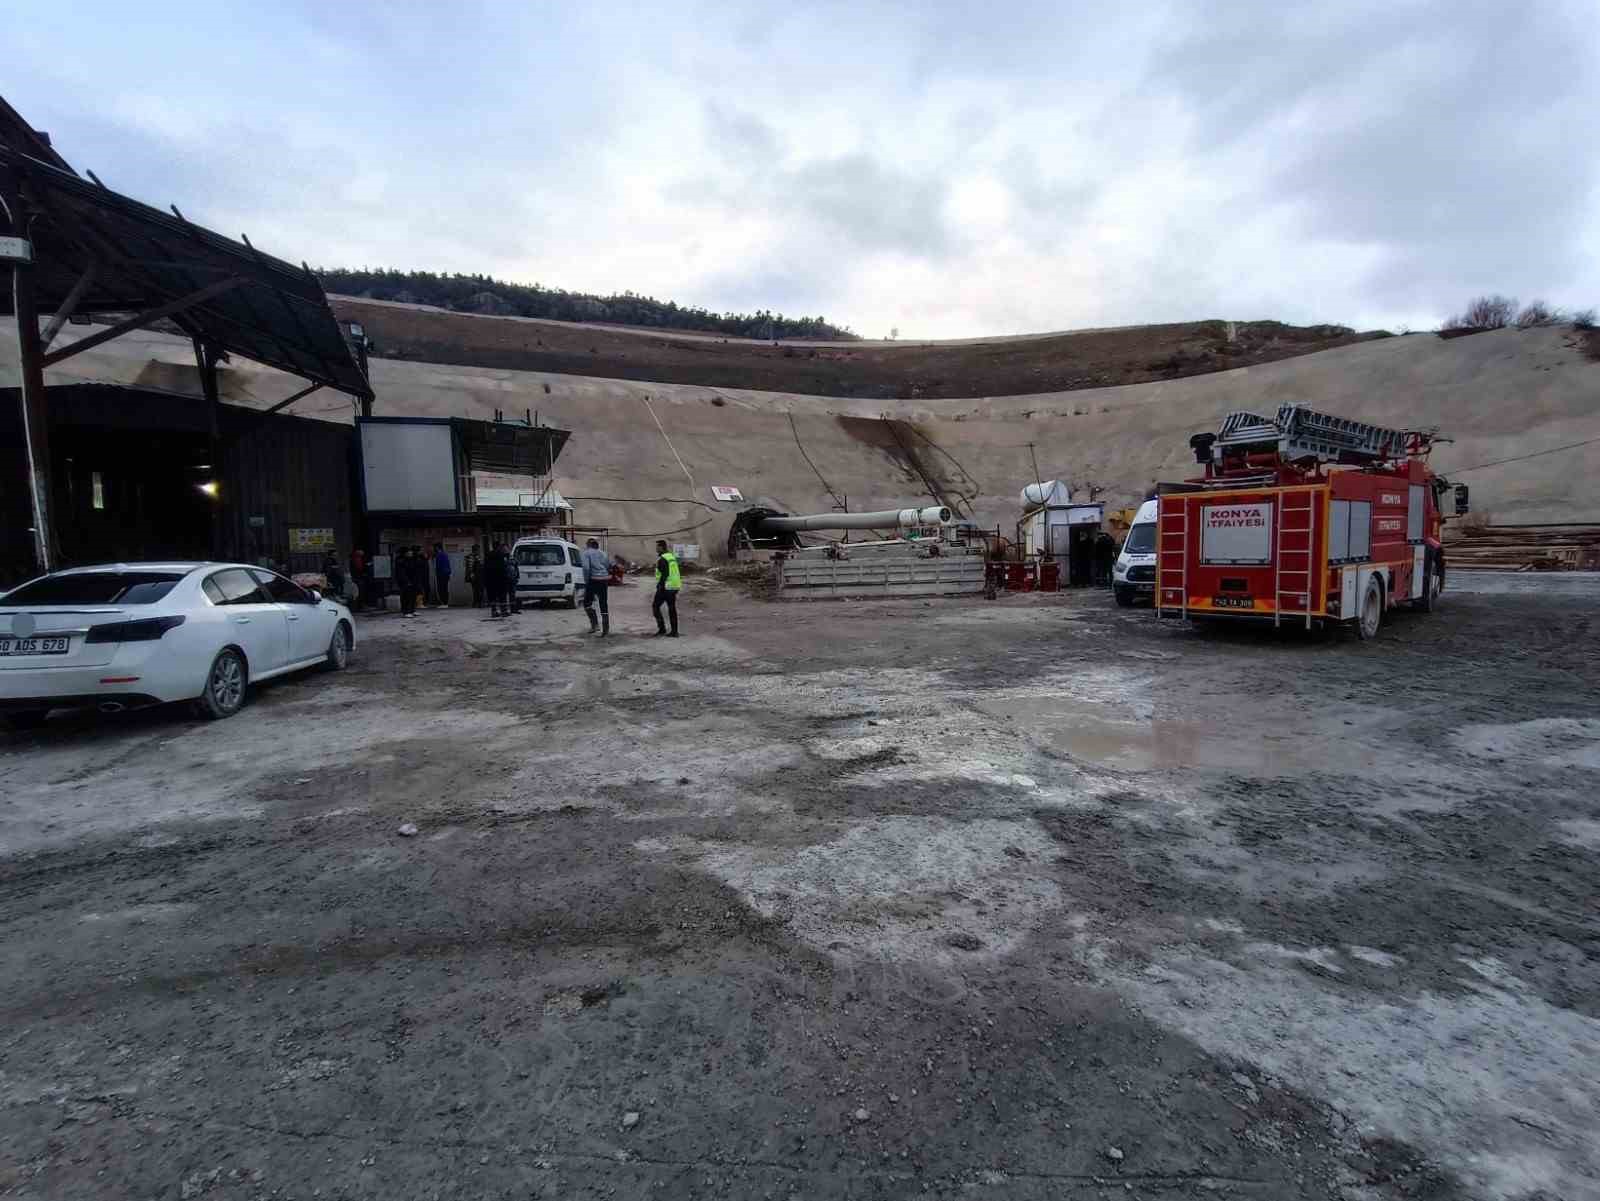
x,y
939,169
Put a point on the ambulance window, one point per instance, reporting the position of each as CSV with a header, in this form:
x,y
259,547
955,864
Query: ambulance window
x,y
1141,539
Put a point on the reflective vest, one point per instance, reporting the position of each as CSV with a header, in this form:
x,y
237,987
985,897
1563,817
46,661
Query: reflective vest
x,y
674,580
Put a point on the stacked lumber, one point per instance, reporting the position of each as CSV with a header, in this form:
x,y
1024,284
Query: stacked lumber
x,y
1563,547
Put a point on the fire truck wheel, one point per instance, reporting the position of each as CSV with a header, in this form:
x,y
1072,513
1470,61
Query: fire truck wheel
x,y
1371,617
1432,586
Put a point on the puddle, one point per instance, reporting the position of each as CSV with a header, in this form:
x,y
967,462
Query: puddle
x,y
1144,744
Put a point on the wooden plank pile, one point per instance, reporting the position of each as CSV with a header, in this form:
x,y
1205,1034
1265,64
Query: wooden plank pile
x,y
1564,547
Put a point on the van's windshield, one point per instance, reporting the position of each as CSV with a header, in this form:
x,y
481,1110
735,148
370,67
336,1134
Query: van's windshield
x,y
1141,539
546,554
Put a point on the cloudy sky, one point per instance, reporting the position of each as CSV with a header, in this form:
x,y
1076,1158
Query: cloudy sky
x,y
946,169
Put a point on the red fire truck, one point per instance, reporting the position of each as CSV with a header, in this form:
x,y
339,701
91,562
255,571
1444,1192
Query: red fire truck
x,y
1305,519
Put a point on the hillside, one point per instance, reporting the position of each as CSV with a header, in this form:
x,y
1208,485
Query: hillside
x,y
873,370
497,297
1502,396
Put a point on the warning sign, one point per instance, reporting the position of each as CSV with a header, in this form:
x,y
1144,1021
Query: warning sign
x,y
303,540
1236,534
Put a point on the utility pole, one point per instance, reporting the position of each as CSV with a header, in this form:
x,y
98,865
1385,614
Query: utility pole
x,y
30,354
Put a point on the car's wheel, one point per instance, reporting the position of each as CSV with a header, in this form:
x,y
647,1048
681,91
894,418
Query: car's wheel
x,y
225,684
1124,597
1371,617
572,601
26,719
339,648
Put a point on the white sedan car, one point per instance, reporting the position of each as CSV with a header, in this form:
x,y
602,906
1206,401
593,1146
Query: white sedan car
x,y
129,634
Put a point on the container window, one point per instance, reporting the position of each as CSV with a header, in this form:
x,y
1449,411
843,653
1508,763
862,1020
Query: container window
x,y
1339,531
1360,529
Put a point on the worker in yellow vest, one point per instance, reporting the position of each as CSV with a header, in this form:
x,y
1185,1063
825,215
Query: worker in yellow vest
x,y
668,581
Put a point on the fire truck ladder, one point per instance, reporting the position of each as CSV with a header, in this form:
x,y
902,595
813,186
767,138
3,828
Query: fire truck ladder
x,y
1172,538
1292,566
1306,433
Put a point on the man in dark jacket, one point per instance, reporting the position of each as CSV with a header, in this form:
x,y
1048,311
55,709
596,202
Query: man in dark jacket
x,y
333,572
406,581
494,579
474,571
442,570
513,602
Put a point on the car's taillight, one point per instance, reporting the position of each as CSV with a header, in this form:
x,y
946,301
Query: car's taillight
x,y
146,629
569,577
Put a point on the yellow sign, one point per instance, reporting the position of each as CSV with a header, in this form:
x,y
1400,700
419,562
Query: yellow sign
x,y
303,540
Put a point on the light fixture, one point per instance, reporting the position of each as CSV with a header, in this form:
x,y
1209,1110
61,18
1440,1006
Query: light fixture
x,y
210,488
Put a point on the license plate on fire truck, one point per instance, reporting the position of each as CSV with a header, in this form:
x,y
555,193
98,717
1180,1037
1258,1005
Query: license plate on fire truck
x,y
1233,602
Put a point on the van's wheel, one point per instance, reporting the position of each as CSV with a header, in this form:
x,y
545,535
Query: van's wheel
x,y
339,648
1124,597
26,719
225,684
572,601
1371,617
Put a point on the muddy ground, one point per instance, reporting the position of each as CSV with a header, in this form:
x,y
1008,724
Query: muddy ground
x,y
1033,898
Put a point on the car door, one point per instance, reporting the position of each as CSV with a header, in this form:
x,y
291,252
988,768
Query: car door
x,y
310,626
255,622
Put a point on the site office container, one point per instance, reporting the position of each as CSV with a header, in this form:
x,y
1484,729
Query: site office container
x,y
1308,552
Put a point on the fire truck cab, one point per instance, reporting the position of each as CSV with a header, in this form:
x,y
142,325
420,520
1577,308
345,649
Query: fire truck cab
x,y
1303,518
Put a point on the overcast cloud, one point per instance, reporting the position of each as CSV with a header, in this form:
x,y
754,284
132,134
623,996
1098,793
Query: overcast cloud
x,y
946,169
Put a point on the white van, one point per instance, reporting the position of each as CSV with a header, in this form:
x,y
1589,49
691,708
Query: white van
x,y
1134,576
548,569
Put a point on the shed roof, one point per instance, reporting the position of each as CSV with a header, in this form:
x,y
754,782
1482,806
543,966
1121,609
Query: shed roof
x,y
243,302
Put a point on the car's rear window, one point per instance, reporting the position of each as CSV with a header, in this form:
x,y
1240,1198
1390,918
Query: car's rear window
x,y
96,588
546,555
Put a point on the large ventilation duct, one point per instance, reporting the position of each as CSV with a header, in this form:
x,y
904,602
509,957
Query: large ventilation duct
x,y
900,519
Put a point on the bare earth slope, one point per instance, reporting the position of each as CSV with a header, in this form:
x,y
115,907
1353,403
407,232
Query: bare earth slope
x,y
1501,395
882,370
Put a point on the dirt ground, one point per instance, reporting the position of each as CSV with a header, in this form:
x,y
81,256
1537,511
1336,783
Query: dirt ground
x,y
907,370
1032,898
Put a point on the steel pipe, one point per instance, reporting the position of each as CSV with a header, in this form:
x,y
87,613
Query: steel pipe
x,y
900,519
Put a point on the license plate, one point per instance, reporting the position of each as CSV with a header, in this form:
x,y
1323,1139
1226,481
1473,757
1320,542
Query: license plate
x,y
34,646
1233,602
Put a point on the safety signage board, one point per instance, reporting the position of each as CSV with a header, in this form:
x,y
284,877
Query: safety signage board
x,y
303,539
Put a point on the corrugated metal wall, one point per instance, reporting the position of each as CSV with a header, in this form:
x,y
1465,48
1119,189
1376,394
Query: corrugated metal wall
x,y
282,474
275,474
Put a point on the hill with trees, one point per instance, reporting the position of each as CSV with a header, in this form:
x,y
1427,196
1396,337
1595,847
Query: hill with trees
x,y
492,297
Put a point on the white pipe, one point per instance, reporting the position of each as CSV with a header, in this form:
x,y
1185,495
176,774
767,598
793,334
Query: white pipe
x,y
899,519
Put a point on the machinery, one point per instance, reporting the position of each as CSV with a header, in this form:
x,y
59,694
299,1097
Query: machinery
x,y
1305,518
920,553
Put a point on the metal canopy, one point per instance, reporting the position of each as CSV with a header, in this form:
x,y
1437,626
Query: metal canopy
x,y
97,251
513,449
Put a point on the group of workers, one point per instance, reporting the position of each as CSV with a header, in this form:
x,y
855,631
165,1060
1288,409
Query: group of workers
x,y
597,589
494,577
